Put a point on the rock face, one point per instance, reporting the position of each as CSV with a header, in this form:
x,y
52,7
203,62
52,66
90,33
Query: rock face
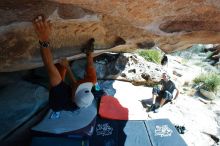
x,y
129,67
168,24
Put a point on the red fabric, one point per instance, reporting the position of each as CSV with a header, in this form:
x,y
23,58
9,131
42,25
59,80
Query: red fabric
x,y
110,108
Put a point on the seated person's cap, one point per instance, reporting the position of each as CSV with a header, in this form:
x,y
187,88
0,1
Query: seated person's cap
x,y
83,95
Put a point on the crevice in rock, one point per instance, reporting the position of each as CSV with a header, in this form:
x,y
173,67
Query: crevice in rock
x,y
145,76
188,26
67,11
145,44
132,71
213,137
119,41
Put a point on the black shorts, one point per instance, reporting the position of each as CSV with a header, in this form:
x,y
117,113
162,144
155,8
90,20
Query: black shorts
x,y
60,97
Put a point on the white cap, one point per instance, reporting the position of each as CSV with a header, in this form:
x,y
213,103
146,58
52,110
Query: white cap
x,y
83,95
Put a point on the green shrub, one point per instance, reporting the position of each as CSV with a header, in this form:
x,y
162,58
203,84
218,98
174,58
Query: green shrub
x,y
151,55
210,81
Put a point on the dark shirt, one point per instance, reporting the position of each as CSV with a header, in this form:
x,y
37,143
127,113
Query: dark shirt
x,y
60,98
169,86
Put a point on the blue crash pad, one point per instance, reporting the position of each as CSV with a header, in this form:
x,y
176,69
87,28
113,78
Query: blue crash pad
x,y
163,133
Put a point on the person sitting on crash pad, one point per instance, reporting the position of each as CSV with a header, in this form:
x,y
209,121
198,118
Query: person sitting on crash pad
x,y
165,92
61,95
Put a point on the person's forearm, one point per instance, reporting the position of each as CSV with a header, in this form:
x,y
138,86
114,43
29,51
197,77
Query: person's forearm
x,y
47,58
70,73
46,55
177,93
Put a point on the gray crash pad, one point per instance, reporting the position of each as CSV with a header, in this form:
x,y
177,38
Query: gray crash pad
x,y
67,121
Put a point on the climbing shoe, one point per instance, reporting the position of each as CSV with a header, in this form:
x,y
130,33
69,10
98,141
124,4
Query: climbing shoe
x,y
180,129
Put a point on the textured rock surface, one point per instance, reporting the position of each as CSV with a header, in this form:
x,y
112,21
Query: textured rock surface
x,y
169,24
129,67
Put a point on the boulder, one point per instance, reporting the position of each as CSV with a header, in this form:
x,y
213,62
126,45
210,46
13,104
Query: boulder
x,y
128,67
116,25
208,94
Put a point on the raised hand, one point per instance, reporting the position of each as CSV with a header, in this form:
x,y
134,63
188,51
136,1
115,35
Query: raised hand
x,y
42,28
64,62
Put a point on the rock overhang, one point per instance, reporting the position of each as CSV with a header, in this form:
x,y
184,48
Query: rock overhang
x,y
116,25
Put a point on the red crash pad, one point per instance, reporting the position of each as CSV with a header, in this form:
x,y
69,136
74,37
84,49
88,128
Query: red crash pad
x,y
110,108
